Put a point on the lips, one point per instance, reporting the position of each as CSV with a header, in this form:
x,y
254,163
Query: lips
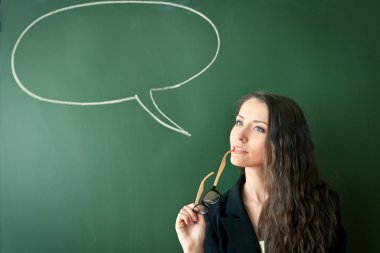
x,y
238,150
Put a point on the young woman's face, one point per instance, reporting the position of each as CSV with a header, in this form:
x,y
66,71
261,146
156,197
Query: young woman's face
x,y
248,135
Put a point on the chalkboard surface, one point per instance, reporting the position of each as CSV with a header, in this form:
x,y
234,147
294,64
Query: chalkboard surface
x,y
89,162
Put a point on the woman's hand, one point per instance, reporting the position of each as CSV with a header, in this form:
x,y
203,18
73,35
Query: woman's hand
x,y
191,229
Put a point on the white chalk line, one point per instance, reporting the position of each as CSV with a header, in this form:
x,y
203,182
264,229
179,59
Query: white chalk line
x,y
177,128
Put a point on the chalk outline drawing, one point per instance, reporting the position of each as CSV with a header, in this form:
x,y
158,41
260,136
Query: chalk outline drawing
x,y
177,128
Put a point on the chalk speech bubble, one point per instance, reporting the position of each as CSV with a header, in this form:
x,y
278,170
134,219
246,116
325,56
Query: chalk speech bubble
x,y
177,84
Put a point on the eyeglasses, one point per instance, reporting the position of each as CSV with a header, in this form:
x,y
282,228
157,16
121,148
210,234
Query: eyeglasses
x,y
212,196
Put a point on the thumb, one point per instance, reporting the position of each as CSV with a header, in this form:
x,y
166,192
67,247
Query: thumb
x,y
201,220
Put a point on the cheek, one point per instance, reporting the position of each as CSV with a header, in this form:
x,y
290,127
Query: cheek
x,y
257,150
261,148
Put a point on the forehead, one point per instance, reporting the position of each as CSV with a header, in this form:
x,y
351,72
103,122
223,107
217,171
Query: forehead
x,y
254,109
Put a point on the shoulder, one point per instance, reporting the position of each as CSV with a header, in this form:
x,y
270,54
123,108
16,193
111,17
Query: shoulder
x,y
340,238
332,197
228,202
215,232
218,210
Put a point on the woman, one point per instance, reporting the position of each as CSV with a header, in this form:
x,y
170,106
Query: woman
x,y
280,204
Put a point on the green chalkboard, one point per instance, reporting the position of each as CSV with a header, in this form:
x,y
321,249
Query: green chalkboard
x,y
89,162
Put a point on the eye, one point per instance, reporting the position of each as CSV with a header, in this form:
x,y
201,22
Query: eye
x,y
238,122
259,129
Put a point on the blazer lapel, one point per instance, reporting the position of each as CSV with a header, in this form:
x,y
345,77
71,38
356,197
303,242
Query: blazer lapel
x,y
237,224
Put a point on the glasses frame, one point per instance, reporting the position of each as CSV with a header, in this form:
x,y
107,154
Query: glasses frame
x,y
202,208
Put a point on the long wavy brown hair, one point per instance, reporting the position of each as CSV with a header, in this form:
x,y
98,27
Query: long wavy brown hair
x,y
299,213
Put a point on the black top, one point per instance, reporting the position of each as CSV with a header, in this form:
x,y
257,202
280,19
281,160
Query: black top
x,y
229,229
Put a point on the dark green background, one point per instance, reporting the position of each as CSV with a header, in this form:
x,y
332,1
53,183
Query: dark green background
x,y
111,179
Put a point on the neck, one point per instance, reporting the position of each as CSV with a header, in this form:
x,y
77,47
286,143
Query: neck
x,y
254,189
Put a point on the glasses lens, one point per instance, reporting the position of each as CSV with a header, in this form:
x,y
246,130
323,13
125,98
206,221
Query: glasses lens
x,y
211,197
201,209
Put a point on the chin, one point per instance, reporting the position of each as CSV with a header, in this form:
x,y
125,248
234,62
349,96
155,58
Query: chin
x,y
237,163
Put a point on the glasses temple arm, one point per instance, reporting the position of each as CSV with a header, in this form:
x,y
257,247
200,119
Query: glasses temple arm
x,y
200,190
221,167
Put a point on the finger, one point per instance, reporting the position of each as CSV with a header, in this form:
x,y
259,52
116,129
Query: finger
x,y
184,218
190,213
189,210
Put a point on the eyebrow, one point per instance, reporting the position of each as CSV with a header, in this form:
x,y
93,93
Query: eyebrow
x,y
256,121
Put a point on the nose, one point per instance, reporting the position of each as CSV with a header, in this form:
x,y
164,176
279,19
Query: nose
x,y
242,136
243,139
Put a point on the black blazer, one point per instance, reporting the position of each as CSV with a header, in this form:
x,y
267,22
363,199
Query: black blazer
x,y
229,229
